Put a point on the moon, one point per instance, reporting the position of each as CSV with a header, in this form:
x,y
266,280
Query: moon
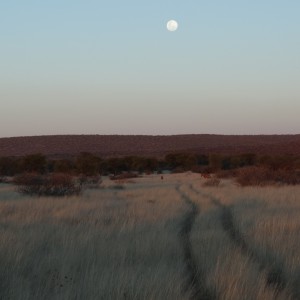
x,y
172,25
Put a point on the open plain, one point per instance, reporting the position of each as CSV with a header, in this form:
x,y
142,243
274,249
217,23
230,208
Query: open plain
x,y
152,238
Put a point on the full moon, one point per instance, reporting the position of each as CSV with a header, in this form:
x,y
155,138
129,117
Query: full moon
x,y
172,25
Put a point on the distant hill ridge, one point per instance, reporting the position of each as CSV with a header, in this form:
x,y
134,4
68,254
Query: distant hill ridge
x,y
147,145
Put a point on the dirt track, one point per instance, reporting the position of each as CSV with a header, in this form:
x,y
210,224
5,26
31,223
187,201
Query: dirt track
x,y
274,272
195,276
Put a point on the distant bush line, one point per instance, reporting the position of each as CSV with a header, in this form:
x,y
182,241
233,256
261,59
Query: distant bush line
x,y
248,168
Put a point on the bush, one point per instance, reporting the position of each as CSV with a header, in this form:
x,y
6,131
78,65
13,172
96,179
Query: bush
x,y
34,163
56,184
28,182
90,182
181,161
59,184
261,176
63,166
123,176
9,166
88,164
227,173
212,182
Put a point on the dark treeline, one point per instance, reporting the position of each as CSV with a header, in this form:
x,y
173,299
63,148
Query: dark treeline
x,y
90,165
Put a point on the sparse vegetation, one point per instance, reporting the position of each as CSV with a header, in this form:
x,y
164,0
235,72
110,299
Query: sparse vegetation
x,y
151,239
67,177
248,168
261,176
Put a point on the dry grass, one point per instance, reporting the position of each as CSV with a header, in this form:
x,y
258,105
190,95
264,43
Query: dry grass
x,y
228,272
268,219
272,225
112,243
107,244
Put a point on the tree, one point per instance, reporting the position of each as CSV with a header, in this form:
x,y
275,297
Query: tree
x,y
34,163
63,166
185,161
215,162
88,164
9,166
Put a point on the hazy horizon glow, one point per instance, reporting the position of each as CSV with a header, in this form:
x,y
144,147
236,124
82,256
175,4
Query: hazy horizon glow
x,y
97,67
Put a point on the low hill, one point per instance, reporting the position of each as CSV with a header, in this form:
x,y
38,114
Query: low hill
x,y
121,145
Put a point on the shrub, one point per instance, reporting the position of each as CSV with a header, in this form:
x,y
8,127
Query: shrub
x,y
34,163
181,161
212,182
178,170
291,177
59,184
261,176
9,166
88,164
227,173
123,176
91,182
56,184
63,166
215,162
28,183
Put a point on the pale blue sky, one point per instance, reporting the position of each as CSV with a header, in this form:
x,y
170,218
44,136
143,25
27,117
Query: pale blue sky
x,y
111,67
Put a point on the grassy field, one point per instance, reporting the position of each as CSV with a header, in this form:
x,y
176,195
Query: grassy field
x,y
149,238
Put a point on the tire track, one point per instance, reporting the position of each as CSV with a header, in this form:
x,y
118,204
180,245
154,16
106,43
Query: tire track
x,y
275,278
275,273
195,280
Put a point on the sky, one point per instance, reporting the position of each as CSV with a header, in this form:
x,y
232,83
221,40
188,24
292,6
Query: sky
x,y
112,67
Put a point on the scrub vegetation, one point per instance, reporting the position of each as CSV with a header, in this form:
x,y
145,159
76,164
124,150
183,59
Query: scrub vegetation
x,y
247,168
170,236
